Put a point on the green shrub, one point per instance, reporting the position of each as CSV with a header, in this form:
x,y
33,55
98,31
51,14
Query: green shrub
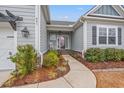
x,y
94,55
50,59
25,60
117,55
54,51
102,55
113,54
108,54
122,54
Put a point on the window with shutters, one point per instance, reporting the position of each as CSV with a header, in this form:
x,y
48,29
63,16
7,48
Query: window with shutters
x,y
106,35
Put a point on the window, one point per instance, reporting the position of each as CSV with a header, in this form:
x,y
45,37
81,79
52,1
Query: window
x,y
108,35
52,37
102,35
111,36
52,41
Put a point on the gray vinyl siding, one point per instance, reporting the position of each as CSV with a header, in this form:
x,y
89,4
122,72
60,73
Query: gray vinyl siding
x,y
106,10
77,39
28,14
95,23
43,34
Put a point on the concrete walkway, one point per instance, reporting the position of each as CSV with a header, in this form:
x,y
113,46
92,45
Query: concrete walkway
x,y
78,77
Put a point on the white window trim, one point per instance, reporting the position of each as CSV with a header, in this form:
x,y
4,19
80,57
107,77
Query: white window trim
x,y
107,26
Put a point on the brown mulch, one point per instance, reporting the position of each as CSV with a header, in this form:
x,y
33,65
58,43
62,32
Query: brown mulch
x,y
105,79
103,65
109,79
98,65
39,75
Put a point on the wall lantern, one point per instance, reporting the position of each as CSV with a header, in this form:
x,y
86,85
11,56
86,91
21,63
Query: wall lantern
x,y
25,32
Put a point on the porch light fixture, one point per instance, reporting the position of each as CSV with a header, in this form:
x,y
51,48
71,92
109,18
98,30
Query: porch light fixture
x,y
25,32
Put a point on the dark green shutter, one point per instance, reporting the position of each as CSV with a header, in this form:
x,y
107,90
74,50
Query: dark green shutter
x,y
94,35
119,36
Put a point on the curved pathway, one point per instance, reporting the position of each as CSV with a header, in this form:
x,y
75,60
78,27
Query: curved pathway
x,y
78,77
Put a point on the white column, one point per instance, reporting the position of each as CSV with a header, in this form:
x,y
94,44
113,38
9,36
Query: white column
x,y
84,36
37,31
37,28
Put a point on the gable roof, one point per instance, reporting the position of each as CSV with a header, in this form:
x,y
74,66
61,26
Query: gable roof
x,y
116,8
107,10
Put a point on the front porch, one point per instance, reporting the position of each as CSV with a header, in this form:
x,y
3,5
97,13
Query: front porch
x,y
59,40
60,35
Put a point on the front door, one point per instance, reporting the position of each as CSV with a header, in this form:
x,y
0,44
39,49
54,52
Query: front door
x,y
63,42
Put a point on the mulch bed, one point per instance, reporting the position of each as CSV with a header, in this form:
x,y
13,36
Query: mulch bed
x,y
99,65
105,79
109,79
39,75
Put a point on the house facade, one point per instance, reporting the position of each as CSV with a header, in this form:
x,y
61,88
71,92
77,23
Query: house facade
x,y
31,29
102,27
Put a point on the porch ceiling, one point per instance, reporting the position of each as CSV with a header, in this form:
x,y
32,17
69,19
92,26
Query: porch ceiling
x,y
60,28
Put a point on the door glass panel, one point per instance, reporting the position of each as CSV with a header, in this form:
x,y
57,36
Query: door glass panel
x,y
62,42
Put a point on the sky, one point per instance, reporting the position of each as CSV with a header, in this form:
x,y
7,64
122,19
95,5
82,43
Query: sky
x,y
68,12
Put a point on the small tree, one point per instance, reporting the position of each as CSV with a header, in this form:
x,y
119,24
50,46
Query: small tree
x,y
25,60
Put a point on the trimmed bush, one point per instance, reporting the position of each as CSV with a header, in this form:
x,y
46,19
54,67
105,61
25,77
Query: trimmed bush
x,y
117,55
102,55
108,54
54,51
94,55
25,60
122,54
113,54
51,59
